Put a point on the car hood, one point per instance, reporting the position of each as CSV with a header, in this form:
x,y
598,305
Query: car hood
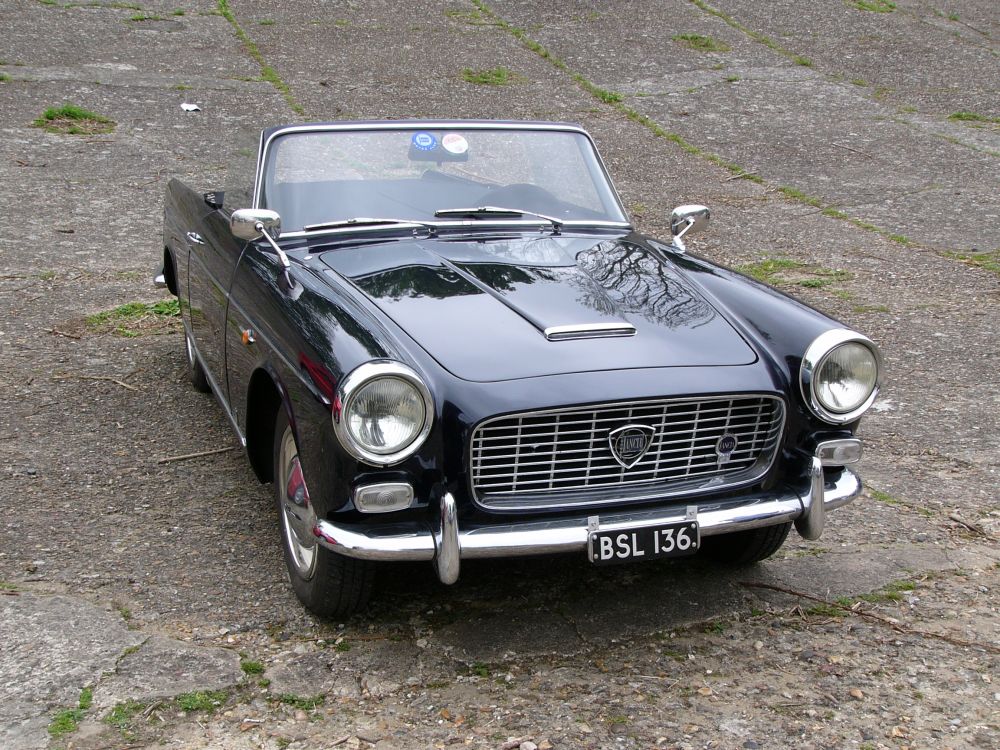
x,y
481,307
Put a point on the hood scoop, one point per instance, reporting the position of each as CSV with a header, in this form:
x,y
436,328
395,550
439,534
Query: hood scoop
x,y
589,331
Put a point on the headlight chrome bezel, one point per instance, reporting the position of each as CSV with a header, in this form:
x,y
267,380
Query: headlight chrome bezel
x,y
349,387
813,361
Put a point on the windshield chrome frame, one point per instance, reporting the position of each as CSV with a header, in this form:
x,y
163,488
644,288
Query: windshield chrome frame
x,y
361,126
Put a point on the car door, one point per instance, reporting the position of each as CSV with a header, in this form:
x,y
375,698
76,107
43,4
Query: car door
x,y
214,252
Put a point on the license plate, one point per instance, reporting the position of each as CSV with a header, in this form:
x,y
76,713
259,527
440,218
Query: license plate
x,y
643,543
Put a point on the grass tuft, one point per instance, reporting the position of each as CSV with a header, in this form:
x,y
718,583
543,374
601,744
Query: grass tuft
x,y
701,43
988,260
489,76
122,713
297,701
872,6
252,667
208,700
136,318
71,119
972,117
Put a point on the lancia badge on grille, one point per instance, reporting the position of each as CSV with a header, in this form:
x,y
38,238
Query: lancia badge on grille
x,y
724,447
630,443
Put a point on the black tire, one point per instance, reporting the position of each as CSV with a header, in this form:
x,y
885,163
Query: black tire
x,y
745,547
328,585
196,373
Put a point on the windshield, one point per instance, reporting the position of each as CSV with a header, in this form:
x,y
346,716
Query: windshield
x,y
323,177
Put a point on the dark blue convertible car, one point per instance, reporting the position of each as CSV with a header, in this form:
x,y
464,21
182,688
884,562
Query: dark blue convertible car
x,y
445,340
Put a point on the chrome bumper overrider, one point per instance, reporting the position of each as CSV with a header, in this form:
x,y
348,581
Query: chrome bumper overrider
x,y
447,544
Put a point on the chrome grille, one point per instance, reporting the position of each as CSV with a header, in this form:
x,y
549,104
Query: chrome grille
x,y
562,457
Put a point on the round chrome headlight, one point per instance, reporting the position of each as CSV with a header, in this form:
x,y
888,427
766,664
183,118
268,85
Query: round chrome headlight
x,y
840,375
383,412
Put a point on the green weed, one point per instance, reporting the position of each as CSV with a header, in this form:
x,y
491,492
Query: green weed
x,y
872,6
122,713
473,17
306,704
701,43
767,270
826,610
268,73
65,722
489,76
987,260
972,117
252,667
137,318
201,701
70,119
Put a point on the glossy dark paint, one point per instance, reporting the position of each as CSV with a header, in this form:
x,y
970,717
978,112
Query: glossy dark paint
x,y
435,305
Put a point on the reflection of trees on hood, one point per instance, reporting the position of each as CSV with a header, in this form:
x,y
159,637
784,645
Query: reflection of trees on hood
x,y
503,277
415,281
639,283
430,281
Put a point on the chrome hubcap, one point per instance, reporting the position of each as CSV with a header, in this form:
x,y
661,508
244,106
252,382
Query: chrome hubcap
x,y
296,512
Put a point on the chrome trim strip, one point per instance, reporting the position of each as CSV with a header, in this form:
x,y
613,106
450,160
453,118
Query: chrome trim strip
x,y
418,224
588,331
562,535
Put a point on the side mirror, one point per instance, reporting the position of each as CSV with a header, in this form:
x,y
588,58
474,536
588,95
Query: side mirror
x,y
685,219
246,223
252,224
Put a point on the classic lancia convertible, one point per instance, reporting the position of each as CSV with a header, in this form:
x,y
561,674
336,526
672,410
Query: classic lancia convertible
x,y
444,340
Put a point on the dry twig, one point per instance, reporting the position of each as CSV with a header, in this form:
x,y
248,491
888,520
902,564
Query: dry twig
x,y
57,332
199,454
871,616
973,527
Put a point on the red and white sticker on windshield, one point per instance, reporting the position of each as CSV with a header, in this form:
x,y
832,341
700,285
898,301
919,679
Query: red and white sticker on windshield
x,y
454,143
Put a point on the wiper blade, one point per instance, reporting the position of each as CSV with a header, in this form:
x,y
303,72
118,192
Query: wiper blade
x,y
498,211
365,221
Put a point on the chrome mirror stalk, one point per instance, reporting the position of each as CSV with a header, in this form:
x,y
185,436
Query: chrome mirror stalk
x,y
252,224
685,219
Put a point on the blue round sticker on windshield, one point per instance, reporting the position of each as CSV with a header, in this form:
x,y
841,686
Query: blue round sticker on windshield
x,y
424,141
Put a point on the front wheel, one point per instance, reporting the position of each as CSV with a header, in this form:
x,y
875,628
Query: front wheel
x,y
328,584
745,547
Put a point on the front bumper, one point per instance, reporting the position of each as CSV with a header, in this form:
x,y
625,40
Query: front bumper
x,y
446,544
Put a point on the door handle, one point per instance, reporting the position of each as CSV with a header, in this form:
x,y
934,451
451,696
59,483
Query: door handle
x,y
195,238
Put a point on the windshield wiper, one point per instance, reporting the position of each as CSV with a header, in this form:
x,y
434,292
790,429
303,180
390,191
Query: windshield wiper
x,y
499,211
365,221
